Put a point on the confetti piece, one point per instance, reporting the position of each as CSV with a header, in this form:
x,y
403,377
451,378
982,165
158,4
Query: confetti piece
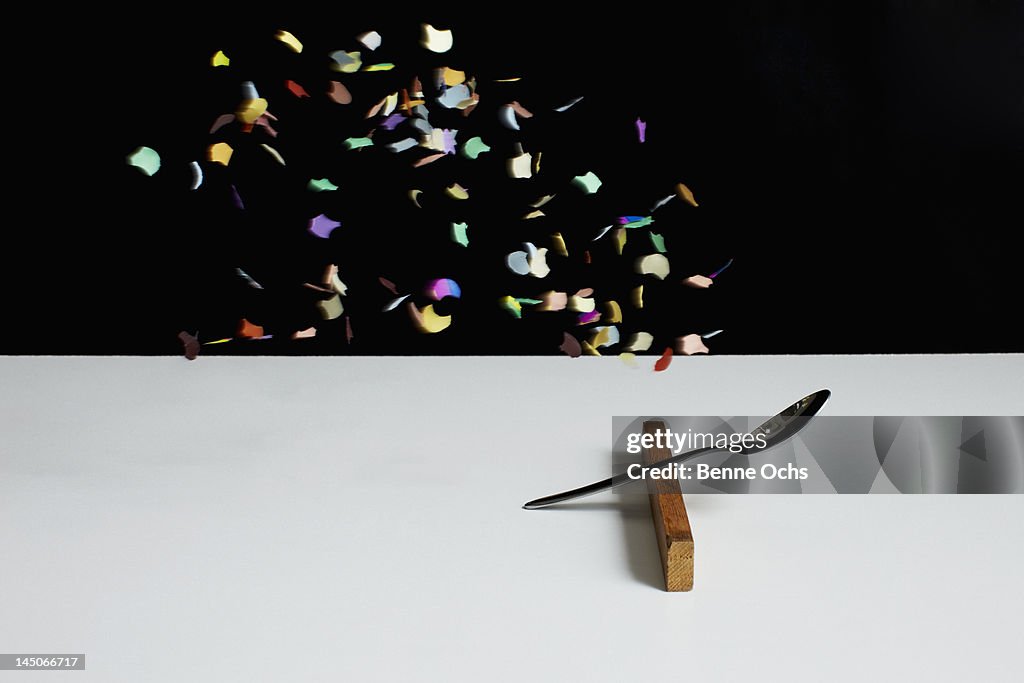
x,y
339,93
534,214
719,271
428,159
638,222
389,285
358,143
582,302
402,145
587,182
289,40
690,344
629,359
588,349
190,344
542,201
507,116
455,97
331,308
321,185
662,202
250,110
381,66
427,320
440,288
304,334
641,129
220,152
274,153
322,226
554,301
532,302
520,110
698,281
236,198
414,196
685,194
247,330
519,166
296,89
662,363
570,346
474,147
348,330
605,335
456,191
392,121
346,62
518,262
436,40
614,312
220,59
197,175
658,241
588,317
638,297
565,107
709,335
512,306
218,341
508,80
145,159
640,341
558,244
393,304
459,235
586,256
222,120
333,281
265,123
371,39
603,232
620,240
451,77
248,279
655,264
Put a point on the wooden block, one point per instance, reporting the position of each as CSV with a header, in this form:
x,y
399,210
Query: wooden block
x,y
675,541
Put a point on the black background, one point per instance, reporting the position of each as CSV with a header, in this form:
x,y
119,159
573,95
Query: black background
x,y
862,164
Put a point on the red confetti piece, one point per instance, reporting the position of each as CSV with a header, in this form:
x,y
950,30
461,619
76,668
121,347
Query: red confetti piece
x,y
665,360
296,89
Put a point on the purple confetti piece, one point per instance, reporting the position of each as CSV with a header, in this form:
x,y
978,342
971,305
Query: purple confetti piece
x,y
392,122
322,226
623,220
719,271
641,129
448,140
236,198
585,318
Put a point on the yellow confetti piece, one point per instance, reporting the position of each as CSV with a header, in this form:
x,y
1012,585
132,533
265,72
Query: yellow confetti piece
x,y
640,341
220,59
414,196
558,244
331,308
427,320
289,40
217,341
436,40
542,201
220,152
629,359
346,62
654,264
638,297
533,214
588,349
614,312
620,240
251,110
581,304
452,77
508,80
685,194
602,337
519,166
456,191
274,153
536,163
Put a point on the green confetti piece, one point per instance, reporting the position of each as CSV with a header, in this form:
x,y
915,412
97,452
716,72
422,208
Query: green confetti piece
x,y
658,241
145,159
588,182
383,66
356,143
459,234
321,185
645,221
474,147
529,301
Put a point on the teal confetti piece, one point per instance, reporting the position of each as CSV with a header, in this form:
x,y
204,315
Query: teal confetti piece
x,y
658,241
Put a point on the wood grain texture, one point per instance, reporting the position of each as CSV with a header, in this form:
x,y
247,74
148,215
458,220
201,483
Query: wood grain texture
x,y
671,524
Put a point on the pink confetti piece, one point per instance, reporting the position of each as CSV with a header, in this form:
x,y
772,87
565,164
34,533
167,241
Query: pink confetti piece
x,y
570,346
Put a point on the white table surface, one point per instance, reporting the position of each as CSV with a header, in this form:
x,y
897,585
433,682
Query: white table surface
x,y
358,519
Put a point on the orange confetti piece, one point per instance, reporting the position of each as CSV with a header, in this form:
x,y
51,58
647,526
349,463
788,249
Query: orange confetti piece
x,y
249,331
296,89
666,359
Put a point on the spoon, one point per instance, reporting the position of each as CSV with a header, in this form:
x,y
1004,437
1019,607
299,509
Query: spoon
x,y
775,429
